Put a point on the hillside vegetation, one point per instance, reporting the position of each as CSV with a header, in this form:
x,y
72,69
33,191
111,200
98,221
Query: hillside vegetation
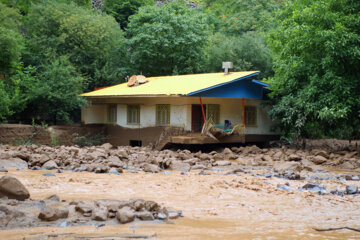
x,y
52,50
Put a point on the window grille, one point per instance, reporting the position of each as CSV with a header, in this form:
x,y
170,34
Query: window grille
x,y
250,116
133,114
112,112
163,114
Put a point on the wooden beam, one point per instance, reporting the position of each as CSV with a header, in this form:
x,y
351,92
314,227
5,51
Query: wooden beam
x,y
203,111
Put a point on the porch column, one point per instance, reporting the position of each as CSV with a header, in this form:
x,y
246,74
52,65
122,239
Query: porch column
x,y
202,109
243,111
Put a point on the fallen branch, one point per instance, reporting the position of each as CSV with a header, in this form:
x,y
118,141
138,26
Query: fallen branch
x,y
334,229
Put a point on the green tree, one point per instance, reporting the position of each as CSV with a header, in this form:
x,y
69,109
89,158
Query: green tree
x,y
55,94
248,52
88,39
167,39
316,89
122,10
11,40
240,16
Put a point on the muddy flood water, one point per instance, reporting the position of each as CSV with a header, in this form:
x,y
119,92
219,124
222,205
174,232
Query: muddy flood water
x,y
215,206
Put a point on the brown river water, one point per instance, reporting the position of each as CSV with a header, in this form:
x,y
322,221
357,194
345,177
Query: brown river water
x,y
215,206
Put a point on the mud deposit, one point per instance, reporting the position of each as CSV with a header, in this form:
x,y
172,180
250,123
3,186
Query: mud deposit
x,y
215,206
238,193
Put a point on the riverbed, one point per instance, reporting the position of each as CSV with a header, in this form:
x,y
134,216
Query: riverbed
x,y
215,206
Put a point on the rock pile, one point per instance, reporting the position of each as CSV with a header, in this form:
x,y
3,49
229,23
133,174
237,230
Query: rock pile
x,y
106,158
17,210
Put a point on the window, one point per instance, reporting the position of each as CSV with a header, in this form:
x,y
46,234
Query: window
x,y
112,113
213,113
163,114
133,114
250,116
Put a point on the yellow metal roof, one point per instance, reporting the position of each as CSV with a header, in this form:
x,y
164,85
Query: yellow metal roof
x,y
170,85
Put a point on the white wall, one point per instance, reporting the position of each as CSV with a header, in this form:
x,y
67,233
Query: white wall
x,y
180,111
94,114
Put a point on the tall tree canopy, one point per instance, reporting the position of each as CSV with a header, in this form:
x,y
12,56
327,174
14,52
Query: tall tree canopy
x,y
122,10
88,39
168,39
316,87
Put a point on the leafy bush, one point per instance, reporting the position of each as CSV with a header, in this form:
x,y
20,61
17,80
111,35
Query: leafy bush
x,y
89,140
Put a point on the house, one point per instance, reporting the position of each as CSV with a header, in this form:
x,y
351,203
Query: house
x,y
138,114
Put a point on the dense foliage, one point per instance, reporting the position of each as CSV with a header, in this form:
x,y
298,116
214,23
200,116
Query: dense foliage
x,y
52,50
316,87
167,40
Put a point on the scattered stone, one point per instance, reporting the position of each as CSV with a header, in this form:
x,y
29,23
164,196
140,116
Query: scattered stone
x,y
125,215
319,159
294,157
314,187
114,171
284,187
222,163
147,167
59,171
53,197
351,189
53,213
145,216
180,166
287,166
100,213
13,163
12,188
84,209
49,165
49,174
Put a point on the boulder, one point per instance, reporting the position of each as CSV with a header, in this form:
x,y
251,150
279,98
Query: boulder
x,y
84,208
106,146
319,159
115,161
222,163
100,213
13,188
125,215
179,166
13,163
147,167
287,166
53,213
145,216
50,165
53,197
294,157
314,187
351,189
347,165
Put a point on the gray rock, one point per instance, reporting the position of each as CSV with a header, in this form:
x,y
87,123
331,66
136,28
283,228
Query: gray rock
x,y
286,166
13,188
351,189
294,157
222,163
147,167
179,166
13,163
84,208
319,159
114,171
161,216
284,187
53,213
314,187
50,165
145,216
100,213
49,174
53,197
125,215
